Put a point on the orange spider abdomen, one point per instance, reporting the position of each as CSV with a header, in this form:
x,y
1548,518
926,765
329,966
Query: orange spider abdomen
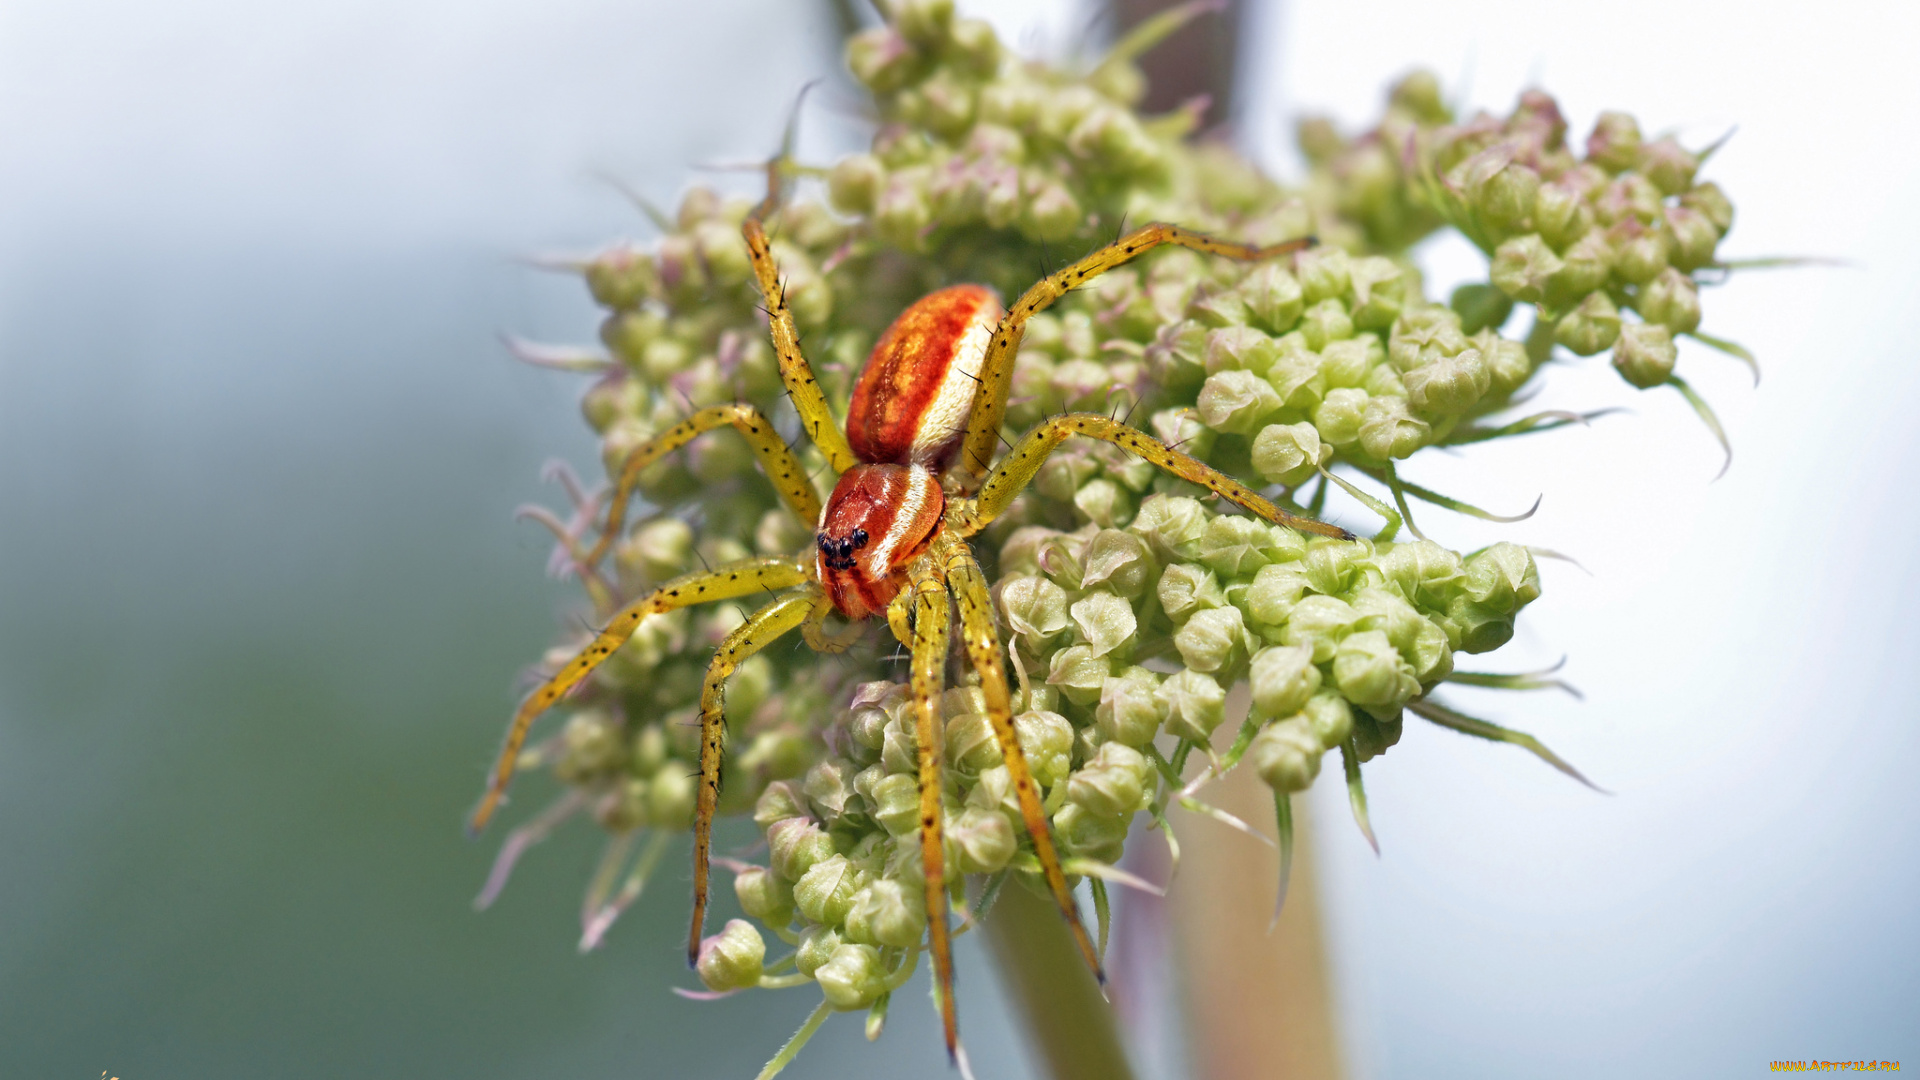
x,y
879,519
913,399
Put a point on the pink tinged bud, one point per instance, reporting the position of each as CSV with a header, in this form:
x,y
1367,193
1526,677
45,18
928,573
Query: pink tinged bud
x,y
732,959
1645,354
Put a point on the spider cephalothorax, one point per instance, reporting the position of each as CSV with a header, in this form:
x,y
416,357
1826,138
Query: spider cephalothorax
x,y
914,483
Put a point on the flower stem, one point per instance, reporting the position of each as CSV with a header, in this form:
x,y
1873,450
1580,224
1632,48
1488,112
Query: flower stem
x,y
1066,1018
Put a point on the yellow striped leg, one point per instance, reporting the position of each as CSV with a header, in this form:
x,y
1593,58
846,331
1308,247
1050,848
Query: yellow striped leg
x,y
996,371
1025,459
932,616
816,419
760,630
727,581
969,585
781,466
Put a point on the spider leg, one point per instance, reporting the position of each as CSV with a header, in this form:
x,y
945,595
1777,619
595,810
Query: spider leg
x,y
969,585
761,629
776,460
815,630
996,370
816,418
933,615
1020,466
727,581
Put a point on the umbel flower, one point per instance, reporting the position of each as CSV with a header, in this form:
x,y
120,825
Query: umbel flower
x,y
1129,602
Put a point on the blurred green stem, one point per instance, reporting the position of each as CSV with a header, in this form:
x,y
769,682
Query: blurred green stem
x,y
1066,1017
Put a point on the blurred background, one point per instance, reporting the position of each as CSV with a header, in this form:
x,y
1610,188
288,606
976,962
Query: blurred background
x,y
263,602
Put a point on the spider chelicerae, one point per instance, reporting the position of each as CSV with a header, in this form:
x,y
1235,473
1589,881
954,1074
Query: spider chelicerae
x,y
916,478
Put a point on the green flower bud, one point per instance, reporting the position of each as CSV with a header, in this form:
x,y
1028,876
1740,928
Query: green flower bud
x,y
829,785
1345,363
620,278
1668,164
970,742
974,44
732,958
1370,671
1326,321
779,802
1615,142
1319,622
1114,784
1324,273
1420,641
1642,252
1289,453
1503,577
1671,300
1105,621
1176,359
1476,628
1522,266
1585,267
902,212
625,808
1295,374
817,945
1338,416
1372,736
1712,203
1046,738
1423,335
649,752
1481,306
1104,502
1129,711
1084,833
1694,238
1192,703
1644,355
854,977
880,59
824,894
1388,430
854,183
1223,309
1273,298
1052,211
1561,214
980,841
1273,594
1283,678
1449,385
1424,572
594,742
795,846
1239,348
1120,562
1319,141
1630,197
1237,402
1211,639
764,896
1036,610
1506,197
1508,365
1112,137
1286,755
1079,672
670,797
1329,717
1236,546
1380,290
1419,95
1172,525
885,912
1591,327
896,803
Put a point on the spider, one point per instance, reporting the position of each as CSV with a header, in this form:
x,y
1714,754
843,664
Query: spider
x,y
915,481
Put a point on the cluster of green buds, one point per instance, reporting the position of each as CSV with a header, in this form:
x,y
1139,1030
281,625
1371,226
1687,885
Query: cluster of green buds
x,y
1131,609
1610,248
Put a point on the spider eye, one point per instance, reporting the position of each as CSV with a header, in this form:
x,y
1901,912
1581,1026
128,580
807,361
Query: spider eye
x,y
821,540
859,538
